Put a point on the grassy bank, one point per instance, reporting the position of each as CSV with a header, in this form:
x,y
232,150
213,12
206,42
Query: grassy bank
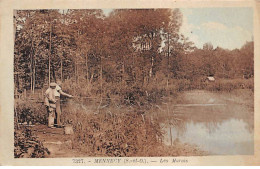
x,y
154,90
128,124
115,132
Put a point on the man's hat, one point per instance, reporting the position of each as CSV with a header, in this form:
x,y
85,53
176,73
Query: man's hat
x,y
52,84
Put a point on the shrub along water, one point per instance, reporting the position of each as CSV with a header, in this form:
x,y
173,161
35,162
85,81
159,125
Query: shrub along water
x,y
113,132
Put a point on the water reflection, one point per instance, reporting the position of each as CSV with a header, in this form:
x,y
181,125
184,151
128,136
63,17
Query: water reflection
x,y
226,129
229,137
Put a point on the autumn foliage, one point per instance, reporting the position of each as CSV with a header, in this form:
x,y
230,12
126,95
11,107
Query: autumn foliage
x,y
131,58
130,49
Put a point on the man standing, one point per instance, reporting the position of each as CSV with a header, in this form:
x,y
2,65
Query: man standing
x,y
59,92
50,103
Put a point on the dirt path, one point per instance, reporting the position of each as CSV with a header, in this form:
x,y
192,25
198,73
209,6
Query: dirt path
x,y
59,144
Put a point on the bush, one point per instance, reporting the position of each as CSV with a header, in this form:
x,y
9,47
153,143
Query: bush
x,y
30,112
230,84
27,146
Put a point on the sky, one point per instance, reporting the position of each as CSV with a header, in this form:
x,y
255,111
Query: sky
x,y
229,28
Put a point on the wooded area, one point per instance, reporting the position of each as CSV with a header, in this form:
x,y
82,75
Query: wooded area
x,y
131,49
129,72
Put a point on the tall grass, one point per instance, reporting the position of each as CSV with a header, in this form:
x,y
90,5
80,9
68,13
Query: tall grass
x,y
218,85
113,132
154,90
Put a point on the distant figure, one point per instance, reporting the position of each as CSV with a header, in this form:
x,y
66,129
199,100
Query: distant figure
x,y
59,92
210,79
50,103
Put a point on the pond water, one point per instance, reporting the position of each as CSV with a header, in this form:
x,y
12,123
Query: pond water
x,y
219,123
218,129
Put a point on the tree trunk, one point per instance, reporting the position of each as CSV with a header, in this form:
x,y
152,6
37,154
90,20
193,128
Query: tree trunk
x,y
34,74
61,70
87,67
101,77
31,72
53,72
50,54
76,64
168,60
123,70
75,69
101,83
31,67
61,61
151,69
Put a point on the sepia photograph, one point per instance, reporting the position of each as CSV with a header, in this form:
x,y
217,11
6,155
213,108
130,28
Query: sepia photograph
x,y
129,83
151,82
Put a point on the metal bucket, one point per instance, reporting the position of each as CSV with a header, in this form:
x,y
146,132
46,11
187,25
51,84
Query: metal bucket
x,y
68,129
50,121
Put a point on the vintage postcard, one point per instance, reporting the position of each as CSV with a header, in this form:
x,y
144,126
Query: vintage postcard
x,y
130,82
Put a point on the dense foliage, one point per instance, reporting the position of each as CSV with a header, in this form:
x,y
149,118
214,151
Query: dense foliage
x,y
126,50
26,144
